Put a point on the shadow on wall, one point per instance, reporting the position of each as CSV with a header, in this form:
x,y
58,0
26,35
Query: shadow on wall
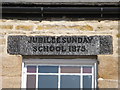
x,y
38,17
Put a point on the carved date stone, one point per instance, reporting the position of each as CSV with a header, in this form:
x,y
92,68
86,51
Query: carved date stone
x,y
59,45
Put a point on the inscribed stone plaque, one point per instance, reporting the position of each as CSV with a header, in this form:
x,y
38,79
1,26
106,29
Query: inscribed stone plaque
x,y
60,45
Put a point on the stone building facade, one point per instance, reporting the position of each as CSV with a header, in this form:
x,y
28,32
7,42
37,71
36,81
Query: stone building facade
x,y
11,65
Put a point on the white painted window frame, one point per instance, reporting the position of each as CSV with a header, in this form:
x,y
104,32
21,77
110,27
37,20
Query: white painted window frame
x,y
60,62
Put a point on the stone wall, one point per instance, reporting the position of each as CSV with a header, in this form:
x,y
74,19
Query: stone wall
x,y
12,64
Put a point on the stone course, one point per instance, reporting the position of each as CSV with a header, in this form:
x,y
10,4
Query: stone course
x,y
24,27
108,83
12,64
6,26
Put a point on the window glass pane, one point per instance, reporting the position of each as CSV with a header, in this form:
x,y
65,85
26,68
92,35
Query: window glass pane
x,y
31,81
70,81
48,69
47,81
87,69
87,81
70,69
31,69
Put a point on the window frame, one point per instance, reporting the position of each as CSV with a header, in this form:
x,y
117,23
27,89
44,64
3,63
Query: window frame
x,y
59,62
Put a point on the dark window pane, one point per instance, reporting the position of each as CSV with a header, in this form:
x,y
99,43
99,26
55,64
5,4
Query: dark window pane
x,y
48,69
31,81
87,81
87,69
48,81
31,69
68,81
70,69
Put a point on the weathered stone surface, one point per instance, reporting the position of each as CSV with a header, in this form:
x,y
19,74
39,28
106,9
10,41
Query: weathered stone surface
x,y
62,45
61,27
11,66
2,47
118,35
6,26
119,67
11,72
3,20
14,44
17,32
0,67
2,41
105,44
107,84
24,27
11,82
0,82
108,67
12,61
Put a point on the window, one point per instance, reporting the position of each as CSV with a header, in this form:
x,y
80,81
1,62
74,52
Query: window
x,y
59,75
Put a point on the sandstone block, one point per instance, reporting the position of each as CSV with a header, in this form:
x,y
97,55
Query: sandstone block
x,y
108,67
0,71
11,72
2,41
57,27
11,82
3,20
108,84
2,47
118,35
2,33
0,82
12,61
14,32
24,27
6,26
87,27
